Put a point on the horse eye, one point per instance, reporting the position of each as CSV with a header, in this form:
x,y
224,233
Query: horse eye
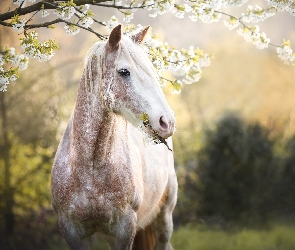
x,y
124,72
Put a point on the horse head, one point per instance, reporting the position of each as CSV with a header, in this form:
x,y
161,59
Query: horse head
x,y
130,85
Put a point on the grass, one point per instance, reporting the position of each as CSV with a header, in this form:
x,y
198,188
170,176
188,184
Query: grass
x,y
279,237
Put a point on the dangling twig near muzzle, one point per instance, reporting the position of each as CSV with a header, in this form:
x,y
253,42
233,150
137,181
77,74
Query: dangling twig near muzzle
x,y
154,135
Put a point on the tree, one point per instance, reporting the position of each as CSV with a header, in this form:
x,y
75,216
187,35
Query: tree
x,y
285,190
236,171
28,127
186,65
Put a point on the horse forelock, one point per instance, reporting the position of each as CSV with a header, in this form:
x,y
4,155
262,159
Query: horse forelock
x,y
92,68
94,49
98,69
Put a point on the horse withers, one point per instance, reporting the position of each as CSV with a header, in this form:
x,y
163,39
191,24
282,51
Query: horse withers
x,y
107,176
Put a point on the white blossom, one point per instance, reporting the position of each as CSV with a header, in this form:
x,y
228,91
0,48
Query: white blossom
x,y
3,83
236,3
286,54
20,61
153,15
204,61
181,71
71,29
23,65
12,51
18,27
252,35
118,3
256,14
19,2
128,16
180,10
4,80
112,23
232,23
86,22
65,12
13,78
205,13
282,5
159,7
177,87
43,51
44,57
194,76
44,13
23,2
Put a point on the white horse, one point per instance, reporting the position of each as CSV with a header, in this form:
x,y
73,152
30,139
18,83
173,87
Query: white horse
x,y
107,177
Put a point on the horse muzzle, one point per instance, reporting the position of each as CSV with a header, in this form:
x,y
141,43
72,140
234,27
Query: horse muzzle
x,y
166,127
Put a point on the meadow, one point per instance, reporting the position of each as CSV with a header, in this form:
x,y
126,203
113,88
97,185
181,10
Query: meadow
x,y
277,237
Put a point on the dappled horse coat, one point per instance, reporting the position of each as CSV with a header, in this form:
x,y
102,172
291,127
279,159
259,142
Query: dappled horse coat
x,y
107,176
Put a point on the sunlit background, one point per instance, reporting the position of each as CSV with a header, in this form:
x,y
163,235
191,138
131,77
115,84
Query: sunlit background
x,y
234,146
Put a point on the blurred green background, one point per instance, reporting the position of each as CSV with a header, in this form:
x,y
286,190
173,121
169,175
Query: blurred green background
x,y
234,145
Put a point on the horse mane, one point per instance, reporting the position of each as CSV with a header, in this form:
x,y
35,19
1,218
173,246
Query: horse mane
x,y
92,69
93,49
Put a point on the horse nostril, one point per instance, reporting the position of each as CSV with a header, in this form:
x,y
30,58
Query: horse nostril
x,y
163,123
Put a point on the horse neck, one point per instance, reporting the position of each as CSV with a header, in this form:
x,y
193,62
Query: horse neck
x,y
92,126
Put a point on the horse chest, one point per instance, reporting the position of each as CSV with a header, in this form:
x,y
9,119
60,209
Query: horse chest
x,y
105,190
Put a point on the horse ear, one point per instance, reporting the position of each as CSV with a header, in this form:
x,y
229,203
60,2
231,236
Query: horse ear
x,y
138,38
115,37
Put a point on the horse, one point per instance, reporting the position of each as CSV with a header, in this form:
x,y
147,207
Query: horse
x,y
108,177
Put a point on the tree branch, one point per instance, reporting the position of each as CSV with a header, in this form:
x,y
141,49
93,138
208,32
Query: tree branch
x,y
102,37
120,7
49,4
5,24
42,25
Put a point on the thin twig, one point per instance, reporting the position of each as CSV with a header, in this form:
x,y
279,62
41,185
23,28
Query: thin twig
x,y
102,37
94,20
5,24
42,25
